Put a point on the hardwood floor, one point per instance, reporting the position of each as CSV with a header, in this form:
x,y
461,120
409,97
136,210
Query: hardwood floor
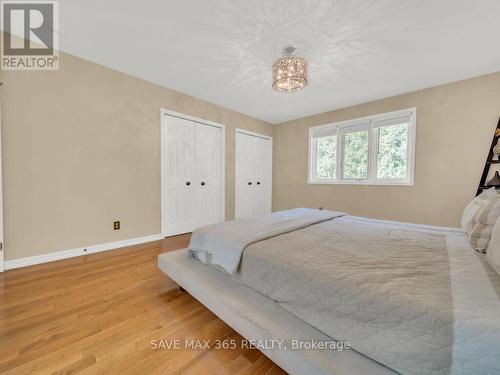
x,y
99,313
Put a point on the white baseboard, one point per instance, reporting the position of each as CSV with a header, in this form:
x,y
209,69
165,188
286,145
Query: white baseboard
x,y
64,254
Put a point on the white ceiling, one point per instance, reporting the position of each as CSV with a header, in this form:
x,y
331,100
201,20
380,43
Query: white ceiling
x,y
222,50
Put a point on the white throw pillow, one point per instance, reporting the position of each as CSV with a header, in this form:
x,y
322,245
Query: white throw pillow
x,y
479,218
493,253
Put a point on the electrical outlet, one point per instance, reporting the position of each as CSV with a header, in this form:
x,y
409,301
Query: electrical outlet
x,y
116,225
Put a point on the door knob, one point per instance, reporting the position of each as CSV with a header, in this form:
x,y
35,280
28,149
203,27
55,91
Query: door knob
x,y
202,183
188,183
258,182
249,183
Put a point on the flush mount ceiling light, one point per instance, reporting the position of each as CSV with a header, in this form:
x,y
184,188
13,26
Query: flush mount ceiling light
x,y
290,72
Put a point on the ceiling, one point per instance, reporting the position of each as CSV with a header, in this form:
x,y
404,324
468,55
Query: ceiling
x,y
222,50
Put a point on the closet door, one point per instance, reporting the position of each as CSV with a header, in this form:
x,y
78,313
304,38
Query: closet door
x,y
180,176
253,180
245,176
209,174
263,176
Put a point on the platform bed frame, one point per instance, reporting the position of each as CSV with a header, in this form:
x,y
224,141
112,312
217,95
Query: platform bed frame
x,y
256,317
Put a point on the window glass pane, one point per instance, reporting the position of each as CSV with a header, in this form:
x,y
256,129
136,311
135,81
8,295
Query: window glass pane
x,y
392,157
326,157
356,155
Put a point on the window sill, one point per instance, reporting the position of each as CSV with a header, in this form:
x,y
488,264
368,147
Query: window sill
x,y
361,183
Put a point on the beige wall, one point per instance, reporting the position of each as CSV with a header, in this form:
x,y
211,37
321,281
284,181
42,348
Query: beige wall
x,y
81,148
455,124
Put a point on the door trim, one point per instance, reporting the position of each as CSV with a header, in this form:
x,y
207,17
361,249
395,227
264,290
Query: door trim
x,y
258,135
248,132
163,166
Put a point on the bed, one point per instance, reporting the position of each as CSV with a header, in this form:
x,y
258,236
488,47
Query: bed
x,y
410,299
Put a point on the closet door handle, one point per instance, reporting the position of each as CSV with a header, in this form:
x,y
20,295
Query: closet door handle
x,y
249,183
258,182
188,183
202,183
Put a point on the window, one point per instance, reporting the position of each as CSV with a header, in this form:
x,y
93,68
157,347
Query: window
x,y
375,150
326,161
355,154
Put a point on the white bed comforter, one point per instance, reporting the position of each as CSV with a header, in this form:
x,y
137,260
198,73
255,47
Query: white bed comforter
x,y
222,244
417,299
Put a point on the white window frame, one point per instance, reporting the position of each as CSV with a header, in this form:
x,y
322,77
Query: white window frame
x,y
365,123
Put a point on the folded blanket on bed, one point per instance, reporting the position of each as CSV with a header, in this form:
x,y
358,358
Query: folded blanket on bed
x,y
222,244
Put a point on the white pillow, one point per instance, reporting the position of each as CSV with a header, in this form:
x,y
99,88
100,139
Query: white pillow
x,y
479,218
493,253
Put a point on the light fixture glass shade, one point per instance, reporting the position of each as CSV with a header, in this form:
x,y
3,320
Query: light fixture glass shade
x,y
290,74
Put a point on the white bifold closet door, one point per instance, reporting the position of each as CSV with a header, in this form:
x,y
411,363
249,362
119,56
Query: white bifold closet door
x,y
208,174
193,175
253,180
